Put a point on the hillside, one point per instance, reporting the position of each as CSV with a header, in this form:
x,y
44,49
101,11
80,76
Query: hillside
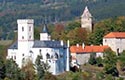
x,y
54,10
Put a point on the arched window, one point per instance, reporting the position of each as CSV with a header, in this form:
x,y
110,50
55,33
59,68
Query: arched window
x,y
40,51
48,56
56,56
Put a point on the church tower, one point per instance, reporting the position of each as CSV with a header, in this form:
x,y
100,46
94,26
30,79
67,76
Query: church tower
x,y
25,39
44,35
86,20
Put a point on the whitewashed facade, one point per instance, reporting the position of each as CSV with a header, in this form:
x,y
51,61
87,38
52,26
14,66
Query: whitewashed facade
x,y
116,41
86,20
55,53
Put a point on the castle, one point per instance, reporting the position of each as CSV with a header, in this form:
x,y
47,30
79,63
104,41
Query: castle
x,y
86,20
55,53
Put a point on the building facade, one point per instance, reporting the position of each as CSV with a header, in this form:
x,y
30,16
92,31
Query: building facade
x,y
81,54
86,20
55,53
116,41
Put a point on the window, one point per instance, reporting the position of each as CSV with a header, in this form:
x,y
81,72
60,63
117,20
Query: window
x,y
40,51
22,37
29,37
22,28
47,56
14,57
118,51
30,28
105,40
23,60
56,56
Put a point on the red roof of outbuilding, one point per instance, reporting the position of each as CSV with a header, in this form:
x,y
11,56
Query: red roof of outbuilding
x,y
80,49
115,35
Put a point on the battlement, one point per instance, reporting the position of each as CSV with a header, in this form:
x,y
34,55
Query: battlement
x,y
25,21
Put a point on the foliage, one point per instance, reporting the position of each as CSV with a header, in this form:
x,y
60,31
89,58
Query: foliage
x,y
72,25
75,76
12,71
49,76
110,60
121,58
36,33
41,67
99,62
92,60
104,27
77,35
29,70
2,68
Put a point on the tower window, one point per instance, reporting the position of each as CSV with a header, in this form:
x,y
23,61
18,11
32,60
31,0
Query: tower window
x,y
30,28
23,54
22,28
29,37
14,57
22,37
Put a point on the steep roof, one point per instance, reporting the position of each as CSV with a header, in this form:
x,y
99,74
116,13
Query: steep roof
x,y
115,35
87,49
86,13
45,30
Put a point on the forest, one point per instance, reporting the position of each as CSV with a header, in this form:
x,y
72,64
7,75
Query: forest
x,y
54,11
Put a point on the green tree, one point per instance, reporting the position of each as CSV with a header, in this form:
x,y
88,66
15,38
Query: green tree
x,y
12,71
41,67
72,25
2,68
29,70
104,27
110,60
77,35
92,59
121,59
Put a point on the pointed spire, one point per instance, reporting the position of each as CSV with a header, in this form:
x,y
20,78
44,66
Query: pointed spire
x,y
45,30
86,13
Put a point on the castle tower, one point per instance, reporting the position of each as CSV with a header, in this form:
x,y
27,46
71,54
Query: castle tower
x,y
44,34
25,40
86,20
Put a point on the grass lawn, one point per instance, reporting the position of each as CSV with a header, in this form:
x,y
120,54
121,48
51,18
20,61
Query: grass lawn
x,y
5,42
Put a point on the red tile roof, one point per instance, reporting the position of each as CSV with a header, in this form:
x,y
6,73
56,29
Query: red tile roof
x,y
87,49
115,35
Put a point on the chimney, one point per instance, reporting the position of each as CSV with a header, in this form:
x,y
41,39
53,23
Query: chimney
x,y
83,45
68,43
77,45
